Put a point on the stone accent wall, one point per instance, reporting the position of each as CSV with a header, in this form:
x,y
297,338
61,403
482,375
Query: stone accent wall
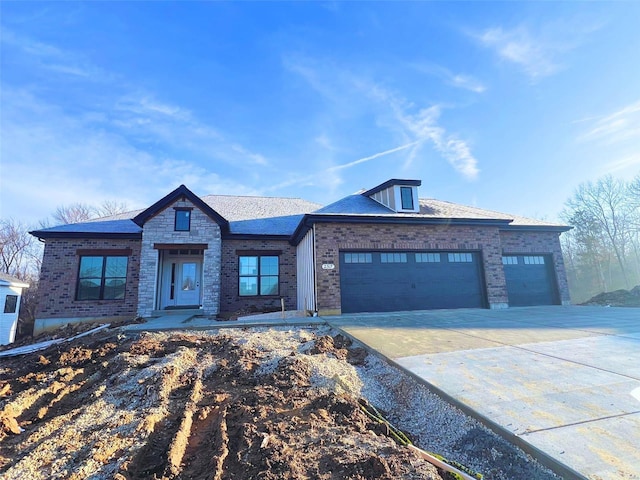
x,y
59,277
538,243
333,237
160,229
232,302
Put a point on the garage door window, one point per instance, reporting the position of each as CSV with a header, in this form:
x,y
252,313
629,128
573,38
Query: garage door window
x,y
358,258
510,260
393,258
537,260
460,258
427,257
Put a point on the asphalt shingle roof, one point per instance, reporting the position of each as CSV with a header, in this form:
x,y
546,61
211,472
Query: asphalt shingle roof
x,y
358,205
281,216
97,226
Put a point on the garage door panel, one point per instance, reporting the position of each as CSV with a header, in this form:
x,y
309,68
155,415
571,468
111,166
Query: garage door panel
x,y
410,285
530,280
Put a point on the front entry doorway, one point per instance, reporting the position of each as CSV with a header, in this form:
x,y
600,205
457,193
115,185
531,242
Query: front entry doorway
x,y
181,279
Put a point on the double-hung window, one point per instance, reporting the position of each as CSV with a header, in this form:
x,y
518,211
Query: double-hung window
x,y
102,277
258,275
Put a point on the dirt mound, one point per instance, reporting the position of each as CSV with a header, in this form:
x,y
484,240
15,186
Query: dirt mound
x,y
617,298
188,406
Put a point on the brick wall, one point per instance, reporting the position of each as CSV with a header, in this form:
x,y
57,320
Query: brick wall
x,y
333,237
59,276
547,243
161,229
230,301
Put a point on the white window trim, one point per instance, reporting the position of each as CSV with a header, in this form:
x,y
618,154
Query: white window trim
x,y
398,199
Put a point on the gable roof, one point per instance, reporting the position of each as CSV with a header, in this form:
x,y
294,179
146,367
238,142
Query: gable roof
x,y
359,208
248,215
178,193
290,218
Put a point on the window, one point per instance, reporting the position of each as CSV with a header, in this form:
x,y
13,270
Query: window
x,y
183,220
11,304
393,258
357,258
534,260
427,257
510,260
406,197
460,258
258,275
102,278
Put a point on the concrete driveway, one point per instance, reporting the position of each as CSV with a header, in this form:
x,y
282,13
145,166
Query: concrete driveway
x,y
563,379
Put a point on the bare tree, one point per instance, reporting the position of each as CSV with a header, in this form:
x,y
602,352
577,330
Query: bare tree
x,y
74,213
111,207
606,203
21,257
19,253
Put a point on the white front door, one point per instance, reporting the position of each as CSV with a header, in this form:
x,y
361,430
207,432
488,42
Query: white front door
x,y
188,283
181,279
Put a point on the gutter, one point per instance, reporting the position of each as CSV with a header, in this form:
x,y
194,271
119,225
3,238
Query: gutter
x,y
41,235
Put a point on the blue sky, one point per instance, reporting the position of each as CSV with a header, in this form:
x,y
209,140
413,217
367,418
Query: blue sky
x,y
506,106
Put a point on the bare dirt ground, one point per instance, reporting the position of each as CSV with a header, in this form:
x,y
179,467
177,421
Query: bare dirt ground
x,y
234,404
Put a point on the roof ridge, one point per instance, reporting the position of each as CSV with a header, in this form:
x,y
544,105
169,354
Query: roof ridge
x,y
256,196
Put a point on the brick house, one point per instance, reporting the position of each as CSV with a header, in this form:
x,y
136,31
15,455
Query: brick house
x,y
384,249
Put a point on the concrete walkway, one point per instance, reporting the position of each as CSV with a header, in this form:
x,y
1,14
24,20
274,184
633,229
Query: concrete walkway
x,y
564,379
194,322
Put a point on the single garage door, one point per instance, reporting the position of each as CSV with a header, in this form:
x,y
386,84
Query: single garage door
x,y
530,280
396,281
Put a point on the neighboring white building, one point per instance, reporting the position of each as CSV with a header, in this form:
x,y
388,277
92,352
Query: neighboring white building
x,y
10,293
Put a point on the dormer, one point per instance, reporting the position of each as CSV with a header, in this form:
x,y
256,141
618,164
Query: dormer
x,y
401,196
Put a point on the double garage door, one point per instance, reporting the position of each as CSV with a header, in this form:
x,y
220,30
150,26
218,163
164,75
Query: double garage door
x,y
395,281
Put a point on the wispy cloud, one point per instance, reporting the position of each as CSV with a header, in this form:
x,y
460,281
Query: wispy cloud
x,y
132,140
458,80
457,152
77,162
51,58
394,114
616,127
534,55
424,127
624,163
143,117
539,50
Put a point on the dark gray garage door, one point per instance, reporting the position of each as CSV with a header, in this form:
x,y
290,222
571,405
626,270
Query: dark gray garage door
x,y
530,280
395,281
